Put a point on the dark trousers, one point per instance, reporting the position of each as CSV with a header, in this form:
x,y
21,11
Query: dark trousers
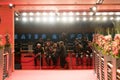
x,y
38,58
48,59
62,61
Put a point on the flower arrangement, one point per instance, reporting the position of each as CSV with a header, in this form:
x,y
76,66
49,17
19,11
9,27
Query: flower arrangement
x,y
116,46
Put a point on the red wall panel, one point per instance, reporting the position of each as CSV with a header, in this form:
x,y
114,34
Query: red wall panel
x,y
7,23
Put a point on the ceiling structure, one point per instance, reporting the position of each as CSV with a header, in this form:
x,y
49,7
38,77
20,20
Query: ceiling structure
x,y
62,5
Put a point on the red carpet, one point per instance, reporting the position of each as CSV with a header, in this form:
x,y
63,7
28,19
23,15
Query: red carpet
x,y
52,75
27,63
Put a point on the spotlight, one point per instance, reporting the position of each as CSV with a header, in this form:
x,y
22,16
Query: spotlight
x,y
77,18
97,18
91,13
31,13
11,5
37,13
24,14
24,19
104,13
51,19
44,13
44,19
77,13
84,19
111,18
70,13
110,13
58,19
91,18
17,19
117,18
84,13
31,19
64,19
105,18
117,13
37,19
93,9
71,19
64,13
99,1
51,14
97,13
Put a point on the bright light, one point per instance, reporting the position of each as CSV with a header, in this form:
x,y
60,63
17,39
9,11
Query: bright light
x,y
51,13
77,13
44,13
24,19
111,13
117,18
97,18
97,13
24,14
70,13
94,8
77,18
64,13
31,13
45,19
38,13
17,19
105,18
51,19
31,19
64,19
117,13
104,13
84,19
37,19
84,13
91,18
58,19
111,18
11,5
91,13
71,19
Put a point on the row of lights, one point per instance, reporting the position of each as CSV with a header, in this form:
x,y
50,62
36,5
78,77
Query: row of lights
x,y
66,13
65,19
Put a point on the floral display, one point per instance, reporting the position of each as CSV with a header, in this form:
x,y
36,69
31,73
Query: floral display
x,y
116,46
107,45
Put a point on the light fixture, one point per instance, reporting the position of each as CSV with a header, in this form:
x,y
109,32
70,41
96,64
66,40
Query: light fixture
x,y
97,18
17,19
99,2
37,19
84,19
24,19
77,19
77,13
91,18
111,18
84,13
70,13
38,13
105,18
24,14
31,18
31,13
11,6
93,9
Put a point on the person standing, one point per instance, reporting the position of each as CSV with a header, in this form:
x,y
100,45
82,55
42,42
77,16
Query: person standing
x,y
63,54
38,51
